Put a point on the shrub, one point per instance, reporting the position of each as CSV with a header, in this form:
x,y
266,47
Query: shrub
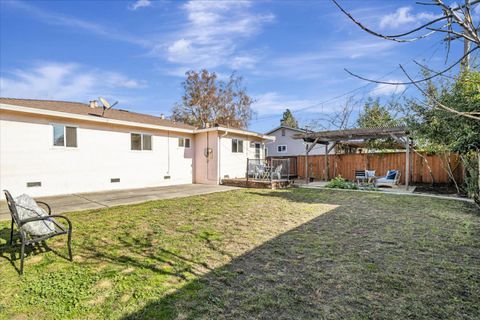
x,y
341,183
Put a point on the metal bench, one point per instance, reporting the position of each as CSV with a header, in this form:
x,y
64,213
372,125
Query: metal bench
x,y
28,239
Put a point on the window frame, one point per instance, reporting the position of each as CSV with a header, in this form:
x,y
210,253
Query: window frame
x,y
141,142
184,144
281,145
257,147
64,125
235,141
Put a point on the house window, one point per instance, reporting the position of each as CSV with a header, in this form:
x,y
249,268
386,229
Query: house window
x,y
257,150
64,136
282,149
147,142
283,132
140,141
184,142
237,146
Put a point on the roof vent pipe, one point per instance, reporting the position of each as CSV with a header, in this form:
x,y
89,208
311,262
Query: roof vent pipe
x,y
93,104
162,116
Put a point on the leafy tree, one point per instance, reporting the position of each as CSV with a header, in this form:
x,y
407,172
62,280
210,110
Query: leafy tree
x,y
375,115
289,120
208,100
440,130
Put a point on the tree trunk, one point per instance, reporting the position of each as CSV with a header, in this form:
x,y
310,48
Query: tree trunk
x,y
428,166
448,169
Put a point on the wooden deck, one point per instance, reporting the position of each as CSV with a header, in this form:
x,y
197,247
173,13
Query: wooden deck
x,y
260,184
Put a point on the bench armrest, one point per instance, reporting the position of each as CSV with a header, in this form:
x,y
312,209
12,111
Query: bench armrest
x,y
22,222
46,205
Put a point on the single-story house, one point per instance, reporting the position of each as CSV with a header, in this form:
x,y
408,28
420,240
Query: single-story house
x,y
57,147
285,145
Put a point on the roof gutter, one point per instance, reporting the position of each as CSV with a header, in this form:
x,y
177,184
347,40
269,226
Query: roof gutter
x,y
51,113
67,115
236,131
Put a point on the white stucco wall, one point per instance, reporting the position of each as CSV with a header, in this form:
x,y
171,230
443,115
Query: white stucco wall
x,y
222,162
234,164
27,154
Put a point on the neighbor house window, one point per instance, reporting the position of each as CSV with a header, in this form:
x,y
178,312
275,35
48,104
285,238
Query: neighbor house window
x,y
237,146
184,142
64,136
140,141
281,149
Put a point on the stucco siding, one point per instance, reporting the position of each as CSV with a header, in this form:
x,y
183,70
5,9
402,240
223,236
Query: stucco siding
x,y
234,164
28,155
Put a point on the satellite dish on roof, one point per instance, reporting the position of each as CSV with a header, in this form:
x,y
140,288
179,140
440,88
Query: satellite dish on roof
x,y
106,105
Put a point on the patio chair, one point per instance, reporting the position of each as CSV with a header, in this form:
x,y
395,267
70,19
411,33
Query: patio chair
x,y
360,176
390,180
259,172
370,175
26,236
277,172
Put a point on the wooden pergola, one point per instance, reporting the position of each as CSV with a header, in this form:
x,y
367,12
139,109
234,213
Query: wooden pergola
x,y
331,138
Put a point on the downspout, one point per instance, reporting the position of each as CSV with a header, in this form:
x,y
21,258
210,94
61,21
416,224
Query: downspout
x,y
219,148
168,153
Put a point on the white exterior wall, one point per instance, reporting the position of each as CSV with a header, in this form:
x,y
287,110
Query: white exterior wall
x,y
294,147
233,164
28,155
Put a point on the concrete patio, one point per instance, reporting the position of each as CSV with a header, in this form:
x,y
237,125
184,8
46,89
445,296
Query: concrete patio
x,y
105,199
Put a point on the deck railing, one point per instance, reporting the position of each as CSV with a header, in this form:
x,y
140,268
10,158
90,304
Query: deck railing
x,y
268,169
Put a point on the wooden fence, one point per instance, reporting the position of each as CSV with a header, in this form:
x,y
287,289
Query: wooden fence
x,y
346,164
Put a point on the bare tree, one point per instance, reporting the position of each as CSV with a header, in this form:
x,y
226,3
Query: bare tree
x,y
341,119
455,23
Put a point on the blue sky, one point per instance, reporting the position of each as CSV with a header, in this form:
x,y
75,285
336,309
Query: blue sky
x,y
290,53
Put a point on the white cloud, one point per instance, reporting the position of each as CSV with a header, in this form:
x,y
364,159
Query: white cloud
x,y
65,81
275,103
140,4
387,89
211,36
404,16
320,63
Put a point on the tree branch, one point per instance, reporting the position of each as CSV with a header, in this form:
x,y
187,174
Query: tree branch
x,y
435,100
414,81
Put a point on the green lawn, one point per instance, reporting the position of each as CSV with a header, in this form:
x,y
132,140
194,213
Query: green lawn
x,y
245,254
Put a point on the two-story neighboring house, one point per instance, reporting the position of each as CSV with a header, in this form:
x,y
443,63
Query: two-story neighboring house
x,y
285,145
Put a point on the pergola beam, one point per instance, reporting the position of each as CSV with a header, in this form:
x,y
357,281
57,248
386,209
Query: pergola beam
x,y
352,134
335,136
